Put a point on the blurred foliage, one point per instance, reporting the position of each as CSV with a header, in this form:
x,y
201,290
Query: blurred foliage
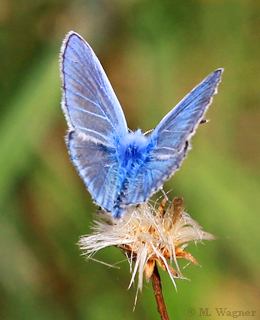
x,y
154,52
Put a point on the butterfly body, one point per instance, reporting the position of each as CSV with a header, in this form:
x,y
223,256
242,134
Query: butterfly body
x,y
122,168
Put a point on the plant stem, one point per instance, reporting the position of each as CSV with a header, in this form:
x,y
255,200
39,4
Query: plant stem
x,y
157,288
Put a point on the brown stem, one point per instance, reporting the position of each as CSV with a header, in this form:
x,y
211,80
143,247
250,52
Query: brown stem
x,y
157,288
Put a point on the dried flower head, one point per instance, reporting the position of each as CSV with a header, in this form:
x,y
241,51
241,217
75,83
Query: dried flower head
x,y
146,236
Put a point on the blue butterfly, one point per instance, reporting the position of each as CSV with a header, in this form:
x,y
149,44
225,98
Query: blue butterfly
x,y
122,168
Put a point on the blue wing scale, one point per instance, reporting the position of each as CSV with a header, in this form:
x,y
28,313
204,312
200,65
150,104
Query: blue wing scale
x,y
98,167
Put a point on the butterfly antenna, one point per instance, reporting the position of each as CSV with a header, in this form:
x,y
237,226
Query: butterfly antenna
x,y
147,132
204,121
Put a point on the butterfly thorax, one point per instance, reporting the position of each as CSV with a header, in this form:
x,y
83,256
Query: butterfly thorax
x,y
132,150
132,153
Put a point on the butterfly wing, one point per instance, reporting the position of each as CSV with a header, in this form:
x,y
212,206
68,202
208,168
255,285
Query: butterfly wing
x,y
180,124
95,119
168,143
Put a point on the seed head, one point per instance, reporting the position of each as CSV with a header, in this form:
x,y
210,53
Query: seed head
x,y
148,235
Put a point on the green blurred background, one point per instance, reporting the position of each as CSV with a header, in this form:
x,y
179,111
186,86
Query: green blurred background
x,y
154,53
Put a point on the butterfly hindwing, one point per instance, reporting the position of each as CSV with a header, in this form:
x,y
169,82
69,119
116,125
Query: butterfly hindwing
x,y
98,167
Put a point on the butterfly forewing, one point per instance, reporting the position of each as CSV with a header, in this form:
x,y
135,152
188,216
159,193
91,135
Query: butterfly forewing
x,y
89,101
180,124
